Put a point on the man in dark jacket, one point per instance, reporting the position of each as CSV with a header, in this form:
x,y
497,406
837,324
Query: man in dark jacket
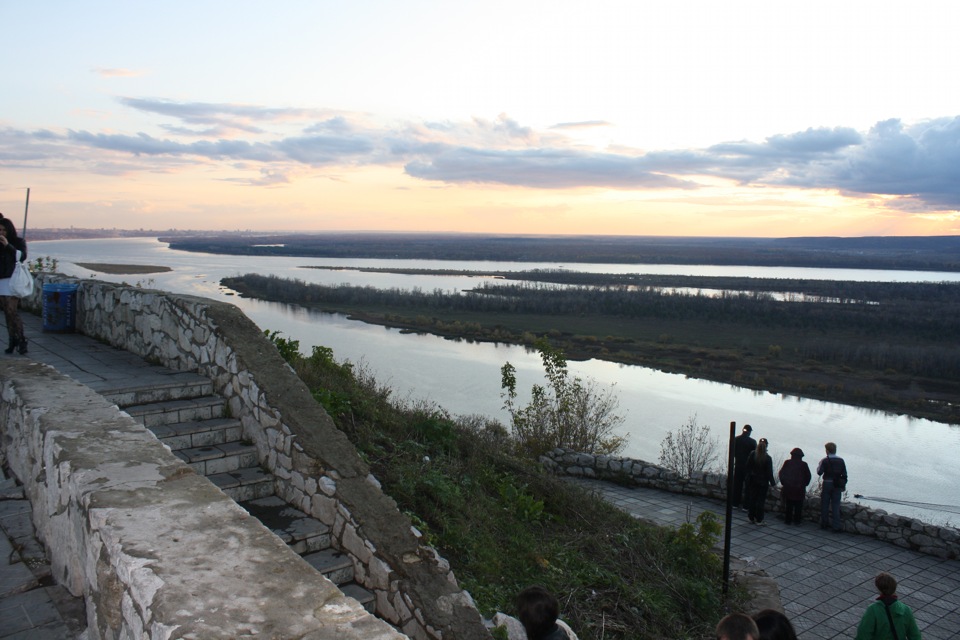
x,y
834,472
743,446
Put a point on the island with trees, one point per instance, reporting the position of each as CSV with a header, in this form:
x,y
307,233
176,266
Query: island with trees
x,y
882,345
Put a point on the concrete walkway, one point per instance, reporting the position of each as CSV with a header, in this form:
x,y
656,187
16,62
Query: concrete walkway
x,y
825,579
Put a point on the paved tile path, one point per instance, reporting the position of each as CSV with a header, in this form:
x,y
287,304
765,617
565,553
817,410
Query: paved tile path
x,y
826,579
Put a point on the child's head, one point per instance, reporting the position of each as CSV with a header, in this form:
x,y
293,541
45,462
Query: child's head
x,y
538,611
737,626
774,625
886,584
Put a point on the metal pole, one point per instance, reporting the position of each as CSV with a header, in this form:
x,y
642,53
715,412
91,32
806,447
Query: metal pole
x,y
26,207
729,523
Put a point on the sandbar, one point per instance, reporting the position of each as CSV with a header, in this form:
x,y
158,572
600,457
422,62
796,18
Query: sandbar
x,y
122,269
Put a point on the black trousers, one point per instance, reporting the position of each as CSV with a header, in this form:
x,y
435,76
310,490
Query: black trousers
x,y
739,475
12,317
794,511
756,501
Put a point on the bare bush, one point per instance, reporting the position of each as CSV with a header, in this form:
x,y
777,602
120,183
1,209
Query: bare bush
x,y
690,449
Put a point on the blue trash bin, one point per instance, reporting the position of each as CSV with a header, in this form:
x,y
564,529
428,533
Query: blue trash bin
x,y
60,307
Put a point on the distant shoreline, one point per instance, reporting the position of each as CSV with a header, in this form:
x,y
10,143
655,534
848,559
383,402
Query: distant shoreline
x,y
908,253
933,253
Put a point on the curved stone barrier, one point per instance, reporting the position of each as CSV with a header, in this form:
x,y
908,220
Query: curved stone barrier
x,y
155,550
317,469
909,533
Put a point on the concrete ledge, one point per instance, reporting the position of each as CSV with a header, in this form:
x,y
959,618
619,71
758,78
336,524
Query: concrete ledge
x,y
155,550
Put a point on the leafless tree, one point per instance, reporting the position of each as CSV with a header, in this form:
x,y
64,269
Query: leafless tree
x,y
690,449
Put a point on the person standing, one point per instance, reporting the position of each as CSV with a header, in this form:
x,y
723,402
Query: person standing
x,y
759,480
794,477
887,618
743,446
10,243
834,472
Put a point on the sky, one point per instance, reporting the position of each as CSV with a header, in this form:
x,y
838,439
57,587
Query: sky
x,y
640,117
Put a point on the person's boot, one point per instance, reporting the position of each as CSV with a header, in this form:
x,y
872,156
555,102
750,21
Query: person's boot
x,y
13,345
23,345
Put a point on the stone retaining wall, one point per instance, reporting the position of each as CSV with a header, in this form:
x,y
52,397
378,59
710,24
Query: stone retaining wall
x,y
155,550
910,533
316,468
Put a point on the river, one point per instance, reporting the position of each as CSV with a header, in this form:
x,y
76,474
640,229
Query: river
x,y
900,464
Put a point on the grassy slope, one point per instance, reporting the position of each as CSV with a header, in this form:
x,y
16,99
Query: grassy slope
x,y
504,525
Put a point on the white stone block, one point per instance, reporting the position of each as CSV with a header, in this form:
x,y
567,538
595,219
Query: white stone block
x,y
327,485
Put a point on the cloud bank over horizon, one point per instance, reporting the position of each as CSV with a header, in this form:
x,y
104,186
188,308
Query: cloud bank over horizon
x,y
915,165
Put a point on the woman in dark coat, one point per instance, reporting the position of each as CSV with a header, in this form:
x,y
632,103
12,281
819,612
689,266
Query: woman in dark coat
x,y
759,480
794,477
10,243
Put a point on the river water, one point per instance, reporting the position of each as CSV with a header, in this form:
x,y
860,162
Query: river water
x,y
900,464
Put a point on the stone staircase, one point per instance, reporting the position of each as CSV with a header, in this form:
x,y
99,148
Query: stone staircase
x,y
188,417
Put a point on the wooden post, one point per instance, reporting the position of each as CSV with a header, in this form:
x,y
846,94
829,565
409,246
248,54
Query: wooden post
x,y
729,520
26,207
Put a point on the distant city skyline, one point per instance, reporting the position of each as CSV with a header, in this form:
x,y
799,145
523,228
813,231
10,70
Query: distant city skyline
x,y
743,118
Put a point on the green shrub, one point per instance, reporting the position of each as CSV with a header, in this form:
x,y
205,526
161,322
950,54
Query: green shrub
x,y
289,349
568,413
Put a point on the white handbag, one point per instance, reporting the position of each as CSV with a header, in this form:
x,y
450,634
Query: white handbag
x,y
21,282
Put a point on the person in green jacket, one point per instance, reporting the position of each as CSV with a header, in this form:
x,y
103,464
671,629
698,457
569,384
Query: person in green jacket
x,y
887,618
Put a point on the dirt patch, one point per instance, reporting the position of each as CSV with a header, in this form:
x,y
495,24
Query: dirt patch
x,y
122,269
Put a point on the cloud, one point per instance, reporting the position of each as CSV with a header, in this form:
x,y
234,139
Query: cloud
x,y
143,144
917,165
267,178
795,146
543,169
920,163
118,73
224,116
318,150
586,124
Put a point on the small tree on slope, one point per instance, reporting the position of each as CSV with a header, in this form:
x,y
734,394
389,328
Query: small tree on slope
x,y
569,413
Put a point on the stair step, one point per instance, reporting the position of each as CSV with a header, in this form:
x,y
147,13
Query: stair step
x,y
177,385
173,411
302,533
219,458
198,433
336,566
361,595
183,413
244,484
